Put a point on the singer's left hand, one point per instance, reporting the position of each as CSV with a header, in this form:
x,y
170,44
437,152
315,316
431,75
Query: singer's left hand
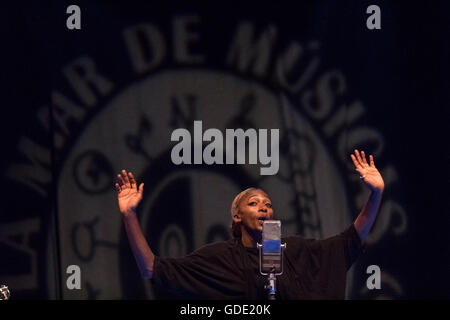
x,y
367,171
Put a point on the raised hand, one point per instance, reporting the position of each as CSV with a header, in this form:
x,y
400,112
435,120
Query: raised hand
x,y
367,171
128,194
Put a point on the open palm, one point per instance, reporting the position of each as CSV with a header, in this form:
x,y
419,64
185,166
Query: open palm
x,y
128,194
368,172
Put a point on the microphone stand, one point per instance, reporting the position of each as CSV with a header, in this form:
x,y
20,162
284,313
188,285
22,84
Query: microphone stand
x,y
271,275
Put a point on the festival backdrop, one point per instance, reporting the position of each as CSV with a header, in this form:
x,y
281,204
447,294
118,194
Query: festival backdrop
x,y
79,105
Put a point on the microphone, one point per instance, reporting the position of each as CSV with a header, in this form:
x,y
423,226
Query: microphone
x,y
270,260
271,254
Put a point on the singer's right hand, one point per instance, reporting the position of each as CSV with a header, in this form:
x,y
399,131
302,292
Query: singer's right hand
x,y
128,195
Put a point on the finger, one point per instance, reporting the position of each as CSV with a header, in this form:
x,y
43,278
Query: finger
x,y
358,157
117,186
372,163
141,188
355,162
121,182
363,156
132,180
125,177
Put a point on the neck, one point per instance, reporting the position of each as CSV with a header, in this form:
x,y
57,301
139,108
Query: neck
x,y
250,240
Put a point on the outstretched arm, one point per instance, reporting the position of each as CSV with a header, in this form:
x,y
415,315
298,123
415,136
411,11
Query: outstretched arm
x,y
372,178
129,196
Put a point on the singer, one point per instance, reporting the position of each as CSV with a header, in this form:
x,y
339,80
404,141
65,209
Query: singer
x,y
313,269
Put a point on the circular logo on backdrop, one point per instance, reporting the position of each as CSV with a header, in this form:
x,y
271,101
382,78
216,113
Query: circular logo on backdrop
x,y
185,206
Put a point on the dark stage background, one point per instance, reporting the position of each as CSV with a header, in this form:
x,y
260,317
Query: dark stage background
x,y
80,105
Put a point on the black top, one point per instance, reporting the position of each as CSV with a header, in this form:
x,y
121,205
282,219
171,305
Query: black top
x,y
313,269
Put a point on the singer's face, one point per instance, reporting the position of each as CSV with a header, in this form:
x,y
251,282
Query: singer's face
x,y
254,209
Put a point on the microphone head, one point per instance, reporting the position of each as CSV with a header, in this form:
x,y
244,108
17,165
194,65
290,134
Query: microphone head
x,y
271,236
271,247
